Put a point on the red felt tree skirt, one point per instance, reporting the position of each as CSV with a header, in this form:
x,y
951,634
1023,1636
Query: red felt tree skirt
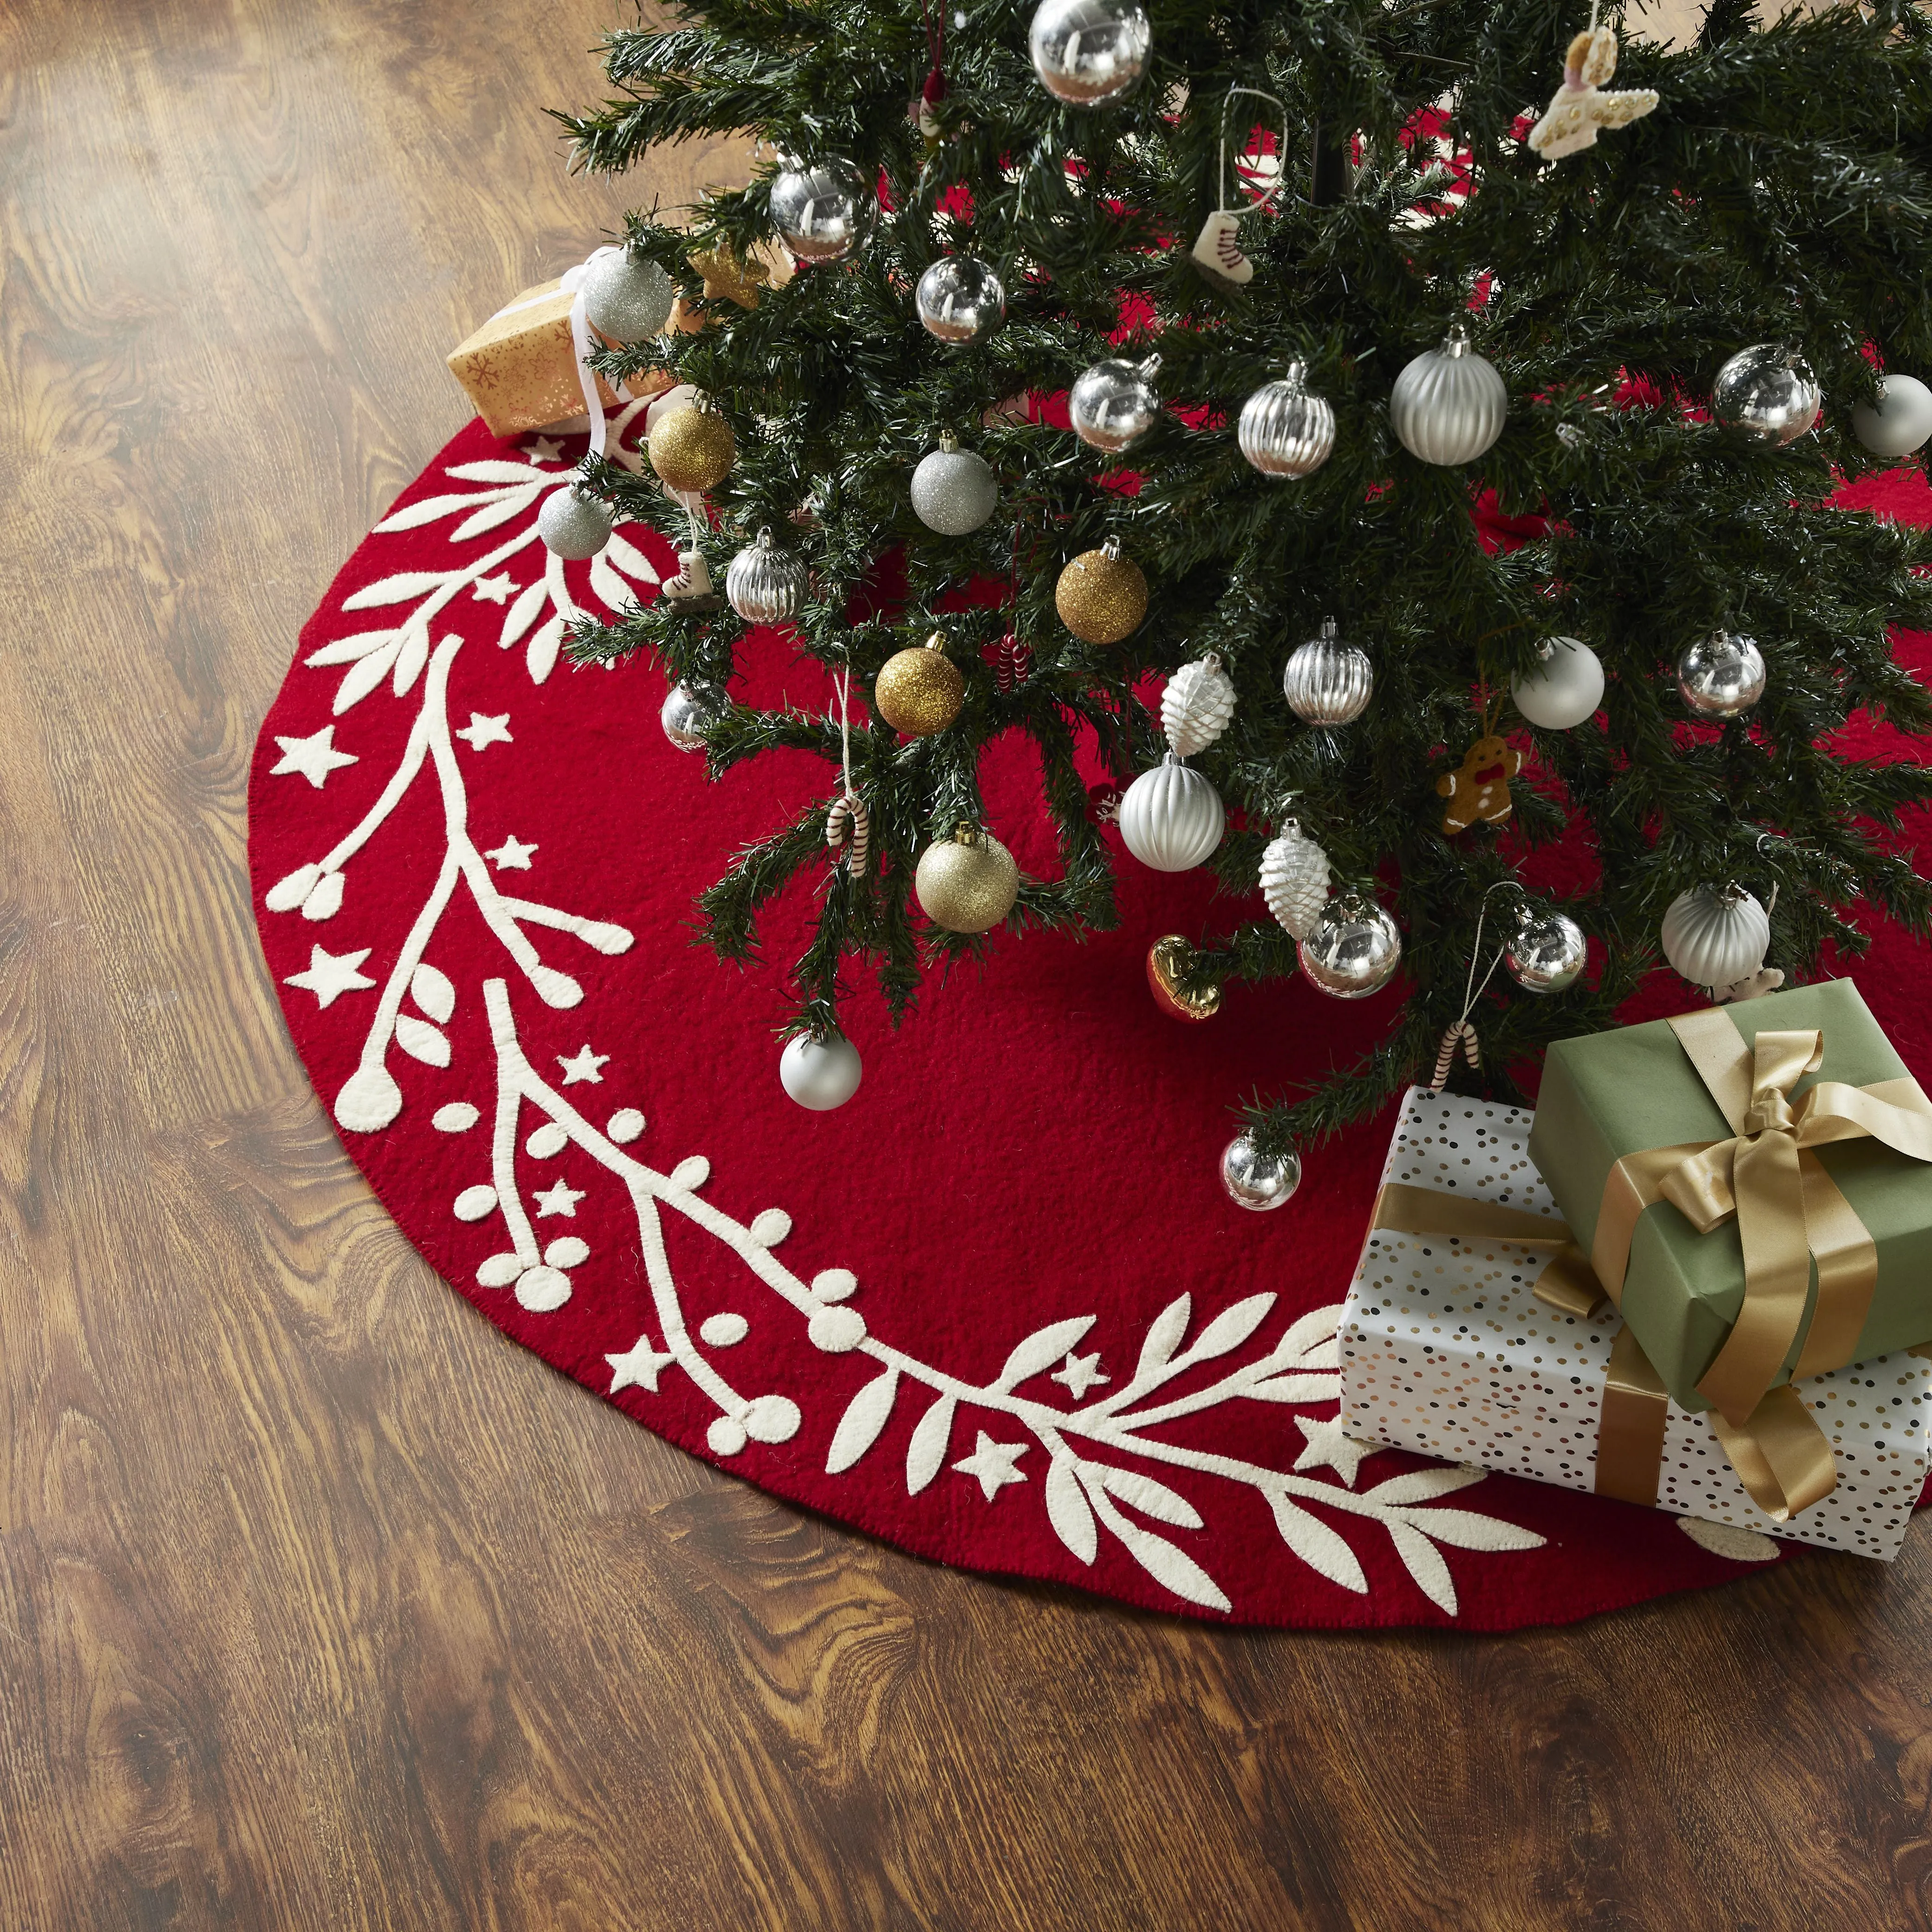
x,y
996,1309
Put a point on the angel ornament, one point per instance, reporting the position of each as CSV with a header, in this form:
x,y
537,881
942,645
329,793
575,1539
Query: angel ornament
x,y
1580,105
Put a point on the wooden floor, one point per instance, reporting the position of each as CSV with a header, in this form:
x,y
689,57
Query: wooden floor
x,y
322,1606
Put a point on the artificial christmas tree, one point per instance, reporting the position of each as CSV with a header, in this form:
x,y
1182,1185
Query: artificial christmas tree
x,y
1489,435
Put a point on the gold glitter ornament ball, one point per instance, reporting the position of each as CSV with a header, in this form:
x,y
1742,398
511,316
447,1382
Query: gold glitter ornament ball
x,y
919,692
968,883
691,449
1101,596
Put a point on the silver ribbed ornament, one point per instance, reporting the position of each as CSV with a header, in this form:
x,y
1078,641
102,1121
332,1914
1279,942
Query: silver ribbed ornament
x,y
1294,879
1196,706
1448,406
765,585
1256,1181
1285,428
627,297
953,490
1354,950
1170,818
825,212
1721,675
1114,404
575,524
689,711
1087,52
1716,935
960,300
1547,951
1327,682
1766,396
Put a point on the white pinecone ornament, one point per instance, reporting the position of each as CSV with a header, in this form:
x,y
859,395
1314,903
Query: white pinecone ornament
x,y
1196,706
1294,880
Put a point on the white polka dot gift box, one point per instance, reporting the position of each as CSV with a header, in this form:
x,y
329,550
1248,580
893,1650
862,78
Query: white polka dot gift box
x,y
1446,1351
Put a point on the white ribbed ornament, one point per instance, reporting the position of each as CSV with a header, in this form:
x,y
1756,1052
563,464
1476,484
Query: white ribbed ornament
x,y
1447,406
1170,818
1294,880
1716,936
1286,429
1196,706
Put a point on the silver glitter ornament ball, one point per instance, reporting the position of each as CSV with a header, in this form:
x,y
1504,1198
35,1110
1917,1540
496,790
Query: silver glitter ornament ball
x,y
1087,52
1721,675
1257,1181
689,711
1114,404
953,490
627,297
1354,950
1901,423
765,585
824,212
1327,681
1447,405
1286,429
1547,952
1766,396
574,523
960,300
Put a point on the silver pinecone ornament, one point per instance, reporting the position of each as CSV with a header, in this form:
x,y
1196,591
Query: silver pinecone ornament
x,y
1294,880
1196,706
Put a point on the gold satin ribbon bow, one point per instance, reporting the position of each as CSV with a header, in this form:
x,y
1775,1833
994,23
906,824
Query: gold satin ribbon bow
x,y
1789,1211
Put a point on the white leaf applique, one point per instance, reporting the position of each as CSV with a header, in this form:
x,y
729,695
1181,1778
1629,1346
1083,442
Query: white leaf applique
x,y
631,560
491,515
865,1416
367,673
346,650
396,589
421,1041
1230,1328
1150,1497
1163,1336
540,658
1324,1550
1041,1350
522,612
925,1453
1068,1511
431,991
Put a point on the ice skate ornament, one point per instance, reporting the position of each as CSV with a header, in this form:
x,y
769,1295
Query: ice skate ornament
x,y
1217,248
1580,106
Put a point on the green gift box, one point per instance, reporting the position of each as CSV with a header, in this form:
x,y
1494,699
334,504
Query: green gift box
x,y
1611,1095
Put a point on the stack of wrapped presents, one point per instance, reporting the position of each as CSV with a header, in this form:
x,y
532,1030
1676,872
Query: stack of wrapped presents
x,y
1698,1278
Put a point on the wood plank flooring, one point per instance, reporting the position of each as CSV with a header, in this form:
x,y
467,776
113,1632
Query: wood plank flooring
x,y
321,1607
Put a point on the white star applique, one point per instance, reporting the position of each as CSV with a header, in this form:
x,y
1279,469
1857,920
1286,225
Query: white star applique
x,y
496,590
582,1065
512,856
541,449
1329,1448
638,1367
992,1464
481,730
561,1199
315,757
330,974
1080,1373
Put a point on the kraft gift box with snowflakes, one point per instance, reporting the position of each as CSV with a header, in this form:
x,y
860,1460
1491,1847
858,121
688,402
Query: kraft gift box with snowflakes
x,y
1445,1350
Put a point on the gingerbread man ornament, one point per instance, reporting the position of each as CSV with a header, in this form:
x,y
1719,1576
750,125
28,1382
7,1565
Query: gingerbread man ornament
x,y
1479,788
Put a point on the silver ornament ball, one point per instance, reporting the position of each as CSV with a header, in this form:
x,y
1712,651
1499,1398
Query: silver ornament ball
x,y
1448,406
574,523
1765,395
1901,422
689,711
1548,952
1354,950
825,212
1565,690
820,1074
627,297
1721,675
1087,52
1327,681
1114,404
1286,429
960,300
1256,1181
1716,935
953,490
765,585
1170,818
